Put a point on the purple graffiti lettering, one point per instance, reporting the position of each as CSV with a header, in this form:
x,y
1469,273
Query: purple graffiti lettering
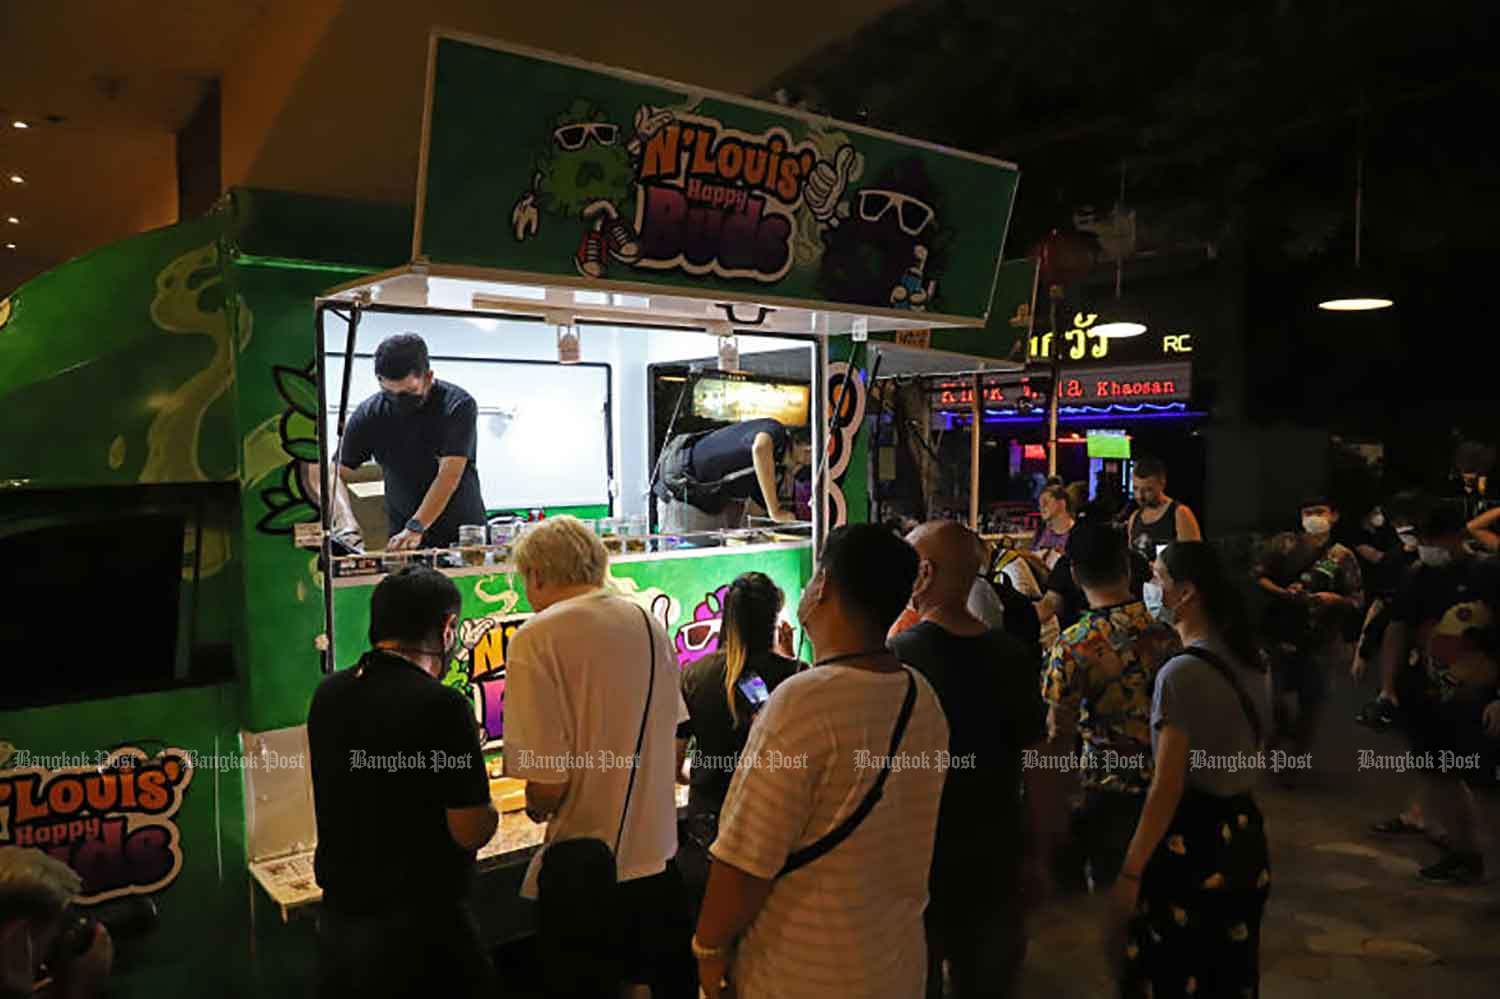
x,y
493,705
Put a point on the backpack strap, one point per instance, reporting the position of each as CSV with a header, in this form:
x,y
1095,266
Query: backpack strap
x,y
828,841
640,739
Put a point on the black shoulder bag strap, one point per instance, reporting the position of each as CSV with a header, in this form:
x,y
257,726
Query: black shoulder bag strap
x,y
640,738
801,858
1227,672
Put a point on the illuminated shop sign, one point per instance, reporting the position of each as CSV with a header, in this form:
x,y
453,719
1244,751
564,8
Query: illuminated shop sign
x,y
1133,383
1081,344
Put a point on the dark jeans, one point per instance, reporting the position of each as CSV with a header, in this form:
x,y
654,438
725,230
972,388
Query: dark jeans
x,y
976,924
1303,674
1103,826
650,944
400,953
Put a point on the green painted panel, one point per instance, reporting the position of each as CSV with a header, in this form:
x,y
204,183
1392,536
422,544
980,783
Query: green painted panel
x,y
187,854
553,168
138,330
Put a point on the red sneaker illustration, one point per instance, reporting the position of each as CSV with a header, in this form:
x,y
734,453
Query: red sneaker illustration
x,y
590,257
624,244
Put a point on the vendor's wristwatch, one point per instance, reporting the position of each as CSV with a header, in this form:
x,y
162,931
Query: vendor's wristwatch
x,y
415,526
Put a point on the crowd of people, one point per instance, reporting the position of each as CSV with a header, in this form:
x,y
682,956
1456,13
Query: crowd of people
x,y
880,821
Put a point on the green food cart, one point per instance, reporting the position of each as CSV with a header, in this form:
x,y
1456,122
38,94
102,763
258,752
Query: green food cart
x,y
176,400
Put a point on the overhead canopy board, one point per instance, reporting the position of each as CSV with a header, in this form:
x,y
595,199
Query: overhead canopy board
x,y
542,166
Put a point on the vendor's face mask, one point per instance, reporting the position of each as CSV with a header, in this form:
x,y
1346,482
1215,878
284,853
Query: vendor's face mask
x,y
408,395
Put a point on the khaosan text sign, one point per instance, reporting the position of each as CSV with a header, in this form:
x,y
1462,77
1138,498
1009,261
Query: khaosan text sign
x,y
549,167
1095,387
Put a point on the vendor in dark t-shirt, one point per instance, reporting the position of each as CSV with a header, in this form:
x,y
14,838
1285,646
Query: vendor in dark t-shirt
x,y
423,432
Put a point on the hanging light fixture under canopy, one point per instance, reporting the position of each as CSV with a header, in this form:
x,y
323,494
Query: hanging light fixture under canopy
x,y
1125,317
1357,291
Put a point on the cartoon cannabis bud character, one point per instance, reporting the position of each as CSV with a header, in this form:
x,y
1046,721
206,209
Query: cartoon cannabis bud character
x,y
585,174
888,251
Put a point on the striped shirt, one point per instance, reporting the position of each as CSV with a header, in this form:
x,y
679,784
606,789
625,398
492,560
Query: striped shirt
x,y
850,923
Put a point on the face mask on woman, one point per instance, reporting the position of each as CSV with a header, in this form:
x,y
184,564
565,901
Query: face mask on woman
x,y
1156,602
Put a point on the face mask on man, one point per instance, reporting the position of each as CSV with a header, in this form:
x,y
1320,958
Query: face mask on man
x,y
1316,524
1156,602
1433,556
406,403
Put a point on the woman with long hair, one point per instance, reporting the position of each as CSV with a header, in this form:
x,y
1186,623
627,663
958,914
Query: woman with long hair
x,y
723,692
1186,911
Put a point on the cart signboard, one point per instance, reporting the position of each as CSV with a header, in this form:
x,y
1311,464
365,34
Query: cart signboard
x,y
539,165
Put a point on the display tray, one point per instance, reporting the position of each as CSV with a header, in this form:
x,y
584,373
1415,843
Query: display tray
x,y
291,886
366,570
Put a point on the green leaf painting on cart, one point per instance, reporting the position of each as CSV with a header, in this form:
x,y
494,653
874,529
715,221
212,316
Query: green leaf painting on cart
x,y
294,501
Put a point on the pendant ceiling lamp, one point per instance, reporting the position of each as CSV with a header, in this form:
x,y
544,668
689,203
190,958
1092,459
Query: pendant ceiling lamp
x,y
1356,291
1126,319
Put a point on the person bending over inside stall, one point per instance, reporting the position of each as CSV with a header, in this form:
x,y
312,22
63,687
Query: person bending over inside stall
x,y
709,481
1185,913
48,948
396,841
724,692
422,432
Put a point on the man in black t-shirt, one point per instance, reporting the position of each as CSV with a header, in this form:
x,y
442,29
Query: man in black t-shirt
x,y
423,432
706,480
986,683
1445,624
402,803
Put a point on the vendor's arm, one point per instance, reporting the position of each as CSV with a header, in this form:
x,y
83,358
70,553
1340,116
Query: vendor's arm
x,y
1486,529
1187,524
450,472
763,455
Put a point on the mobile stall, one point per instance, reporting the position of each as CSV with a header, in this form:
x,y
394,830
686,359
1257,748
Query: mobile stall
x,y
600,259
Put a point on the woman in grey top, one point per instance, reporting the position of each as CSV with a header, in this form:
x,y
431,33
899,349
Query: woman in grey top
x,y
1186,910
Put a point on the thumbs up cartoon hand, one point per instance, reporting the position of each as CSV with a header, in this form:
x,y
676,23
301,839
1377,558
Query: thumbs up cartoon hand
x,y
827,182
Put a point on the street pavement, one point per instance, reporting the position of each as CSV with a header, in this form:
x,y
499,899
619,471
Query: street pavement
x,y
1347,915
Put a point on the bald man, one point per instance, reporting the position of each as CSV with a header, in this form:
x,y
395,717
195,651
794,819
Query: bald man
x,y
986,682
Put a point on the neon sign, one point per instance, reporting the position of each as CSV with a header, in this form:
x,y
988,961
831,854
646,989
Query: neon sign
x,y
1082,344
1167,382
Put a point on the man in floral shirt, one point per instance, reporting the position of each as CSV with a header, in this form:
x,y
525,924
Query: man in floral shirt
x,y
1097,686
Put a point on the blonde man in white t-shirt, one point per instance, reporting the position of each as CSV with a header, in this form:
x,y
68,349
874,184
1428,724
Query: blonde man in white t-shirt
x,y
848,922
577,680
